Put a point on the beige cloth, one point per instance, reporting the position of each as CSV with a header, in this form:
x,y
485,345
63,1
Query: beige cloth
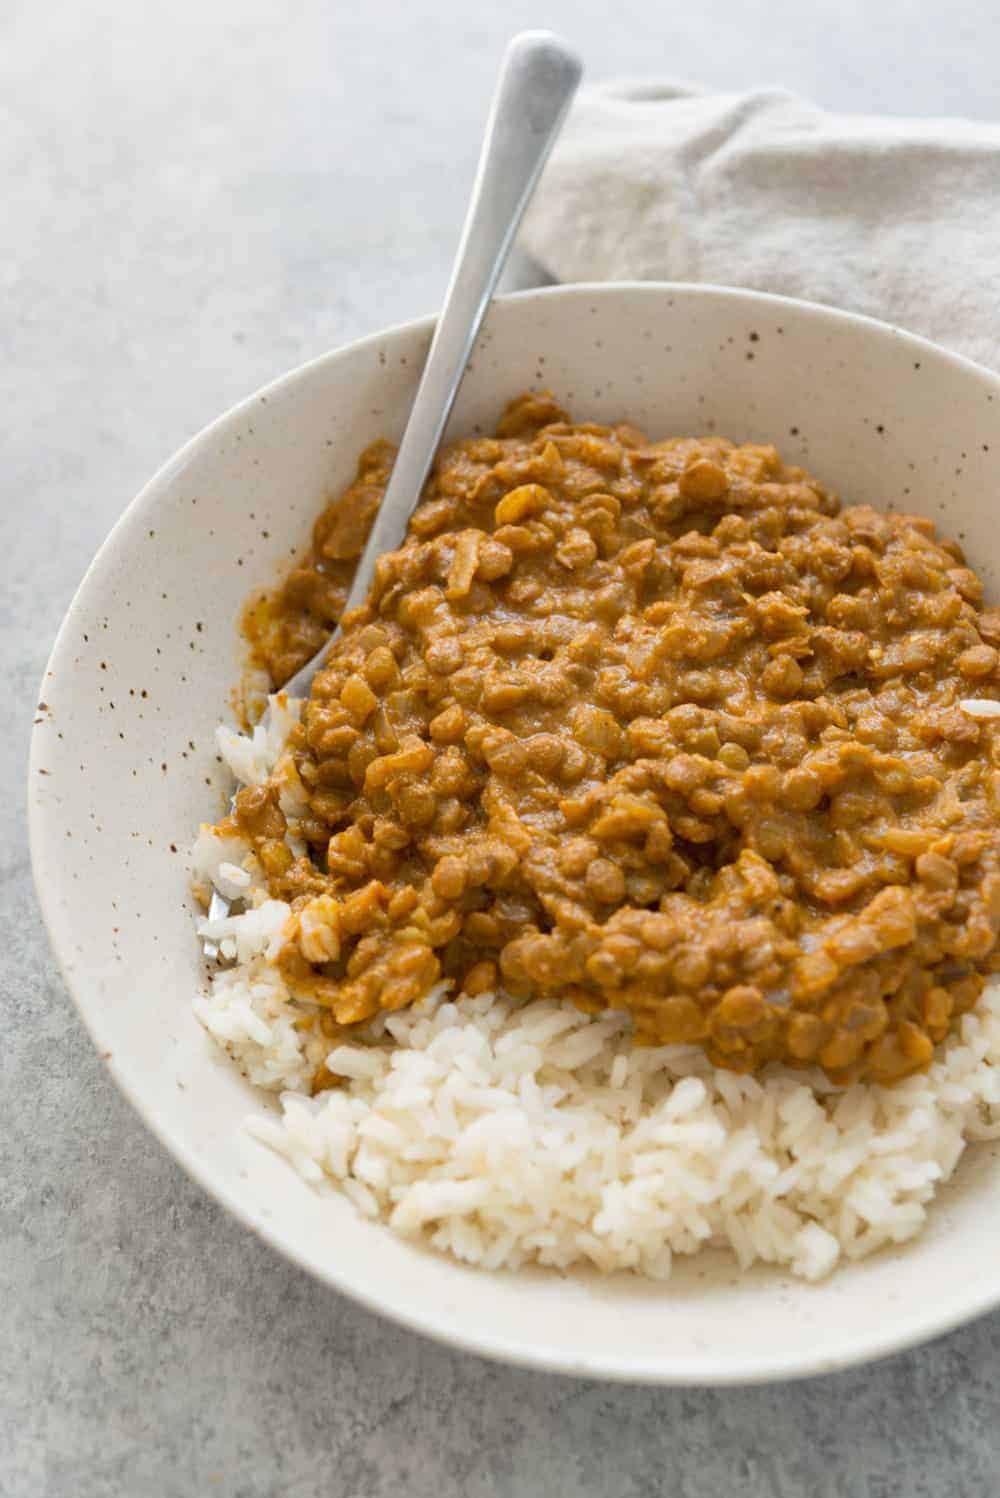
x,y
896,218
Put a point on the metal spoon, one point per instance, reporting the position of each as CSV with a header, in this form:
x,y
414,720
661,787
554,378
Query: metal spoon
x,y
538,78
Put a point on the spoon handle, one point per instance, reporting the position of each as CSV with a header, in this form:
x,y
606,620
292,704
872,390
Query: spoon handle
x,y
538,78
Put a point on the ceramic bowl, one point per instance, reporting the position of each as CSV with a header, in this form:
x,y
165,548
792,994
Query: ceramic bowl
x,y
123,768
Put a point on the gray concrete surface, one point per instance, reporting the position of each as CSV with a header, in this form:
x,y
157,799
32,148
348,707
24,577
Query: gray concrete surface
x,y
194,197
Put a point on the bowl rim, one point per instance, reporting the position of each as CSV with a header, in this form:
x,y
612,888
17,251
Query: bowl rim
x,y
924,1325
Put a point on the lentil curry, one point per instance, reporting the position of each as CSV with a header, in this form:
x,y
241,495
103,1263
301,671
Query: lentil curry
x,y
653,726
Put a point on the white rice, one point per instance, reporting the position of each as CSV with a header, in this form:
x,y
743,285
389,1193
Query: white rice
x,y
980,707
507,1133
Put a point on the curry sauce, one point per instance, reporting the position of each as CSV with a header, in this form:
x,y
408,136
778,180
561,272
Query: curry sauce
x,y
653,726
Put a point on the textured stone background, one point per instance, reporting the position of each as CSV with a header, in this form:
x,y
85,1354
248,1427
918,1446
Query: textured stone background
x,y
194,197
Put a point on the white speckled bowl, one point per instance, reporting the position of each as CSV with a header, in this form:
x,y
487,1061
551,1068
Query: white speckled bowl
x,y
123,769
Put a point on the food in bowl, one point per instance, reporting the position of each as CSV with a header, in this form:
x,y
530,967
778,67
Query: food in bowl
x,y
634,851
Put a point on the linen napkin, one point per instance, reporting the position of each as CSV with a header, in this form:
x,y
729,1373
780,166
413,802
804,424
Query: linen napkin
x,y
897,218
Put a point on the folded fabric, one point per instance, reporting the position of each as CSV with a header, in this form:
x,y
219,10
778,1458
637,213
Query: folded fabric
x,y
897,218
